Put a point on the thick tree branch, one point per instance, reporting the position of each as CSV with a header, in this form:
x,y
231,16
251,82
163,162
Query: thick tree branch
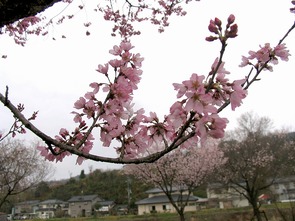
x,y
13,10
75,150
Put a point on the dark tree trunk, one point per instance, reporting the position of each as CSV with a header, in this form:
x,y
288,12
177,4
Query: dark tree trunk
x,y
256,212
181,215
13,10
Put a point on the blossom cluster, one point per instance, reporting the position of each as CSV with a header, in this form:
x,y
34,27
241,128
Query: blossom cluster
x,y
25,26
203,99
192,118
157,12
265,56
197,108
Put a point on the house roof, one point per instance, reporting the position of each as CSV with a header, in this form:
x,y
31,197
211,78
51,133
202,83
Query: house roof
x,y
52,201
46,209
106,203
158,190
85,198
285,179
164,199
30,202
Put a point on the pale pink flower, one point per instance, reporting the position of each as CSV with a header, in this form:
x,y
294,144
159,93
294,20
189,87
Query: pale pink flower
x,y
180,88
133,75
282,52
217,127
79,104
221,69
63,132
126,56
90,96
238,93
153,117
80,160
103,69
105,138
126,46
89,109
115,63
116,50
43,151
245,62
195,82
95,87
77,117
137,60
177,115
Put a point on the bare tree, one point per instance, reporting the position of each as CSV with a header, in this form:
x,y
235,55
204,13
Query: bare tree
x,y
255,158
21,168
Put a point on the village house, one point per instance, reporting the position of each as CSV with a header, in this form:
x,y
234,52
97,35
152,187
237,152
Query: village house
x,y
224,196
104,207
76,206
52,208
158,202
82,206
25,210
283,189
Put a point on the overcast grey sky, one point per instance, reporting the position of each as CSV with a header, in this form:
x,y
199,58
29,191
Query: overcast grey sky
x,y
50,76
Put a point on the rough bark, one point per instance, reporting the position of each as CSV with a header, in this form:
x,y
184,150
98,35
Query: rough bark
x,y
13,10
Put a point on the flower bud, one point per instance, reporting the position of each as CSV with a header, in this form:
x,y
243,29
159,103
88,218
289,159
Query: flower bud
x,y
233,31
231,19
210,38
212,27
217,21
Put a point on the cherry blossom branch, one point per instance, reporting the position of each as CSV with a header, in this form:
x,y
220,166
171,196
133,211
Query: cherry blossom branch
x,y
74,150
192,118
264,56
17,126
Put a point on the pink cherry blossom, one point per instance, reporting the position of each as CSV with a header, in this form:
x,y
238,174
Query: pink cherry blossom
x,y
126,46
116,50
238,93
266,54
103,69
79,104
95,87
115,63
221,69
282,52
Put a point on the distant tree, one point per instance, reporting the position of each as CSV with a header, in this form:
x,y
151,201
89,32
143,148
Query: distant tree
x,y
82,175
42,190
21,168
255,158
185,170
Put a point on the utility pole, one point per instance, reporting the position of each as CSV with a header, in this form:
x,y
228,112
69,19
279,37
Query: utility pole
x,y
128,192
